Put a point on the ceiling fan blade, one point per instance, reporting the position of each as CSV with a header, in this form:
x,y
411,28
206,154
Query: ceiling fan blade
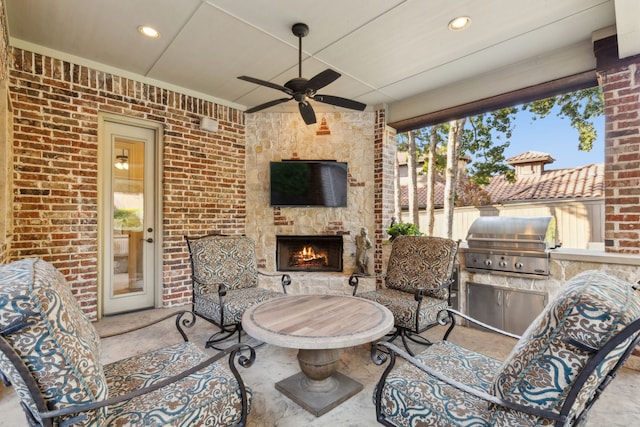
x,y
267,105
322,79
340,102
306,110
266,83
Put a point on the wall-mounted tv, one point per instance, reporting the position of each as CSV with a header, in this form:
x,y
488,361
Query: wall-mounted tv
x,y
309,183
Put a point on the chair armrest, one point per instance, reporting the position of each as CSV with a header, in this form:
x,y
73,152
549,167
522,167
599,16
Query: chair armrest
x,y
285,279
484,325
384,351
233,352
419,292
354,280
209,287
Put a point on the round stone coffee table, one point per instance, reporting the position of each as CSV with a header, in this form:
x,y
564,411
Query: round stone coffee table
x,y
318,326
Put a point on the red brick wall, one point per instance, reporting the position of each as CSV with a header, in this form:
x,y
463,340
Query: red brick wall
x,y
384,159
621,88
55,105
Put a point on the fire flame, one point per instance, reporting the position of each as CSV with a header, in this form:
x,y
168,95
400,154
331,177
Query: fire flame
x,y
308,253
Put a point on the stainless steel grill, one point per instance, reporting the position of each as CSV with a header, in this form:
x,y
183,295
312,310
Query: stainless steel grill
x,y
511,245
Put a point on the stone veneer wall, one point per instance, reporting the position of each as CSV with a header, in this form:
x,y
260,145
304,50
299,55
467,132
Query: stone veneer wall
x,y
345,137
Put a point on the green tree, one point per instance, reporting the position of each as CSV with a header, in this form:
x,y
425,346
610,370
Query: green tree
x,y
580,107
486,136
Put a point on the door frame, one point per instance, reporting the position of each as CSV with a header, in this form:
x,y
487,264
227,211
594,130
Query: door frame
x,y
105,161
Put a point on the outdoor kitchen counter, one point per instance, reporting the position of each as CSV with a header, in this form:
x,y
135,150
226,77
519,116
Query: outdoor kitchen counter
x,y
594,256
564,264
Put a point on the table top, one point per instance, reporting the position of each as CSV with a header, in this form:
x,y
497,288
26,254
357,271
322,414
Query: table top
x,y
317,321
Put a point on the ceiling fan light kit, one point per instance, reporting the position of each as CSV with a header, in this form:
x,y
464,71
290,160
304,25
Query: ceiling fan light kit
x,y
301,89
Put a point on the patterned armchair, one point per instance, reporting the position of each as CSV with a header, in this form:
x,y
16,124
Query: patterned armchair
x,y
559,367
417,283
224,274
50,353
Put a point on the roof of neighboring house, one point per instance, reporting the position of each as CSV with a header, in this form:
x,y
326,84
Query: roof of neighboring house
x,y
580,182
531,157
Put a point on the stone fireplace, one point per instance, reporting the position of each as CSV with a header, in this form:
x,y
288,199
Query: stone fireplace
x,y
309,253
348,137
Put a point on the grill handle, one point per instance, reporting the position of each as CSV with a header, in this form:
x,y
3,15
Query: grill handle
x,y
494,239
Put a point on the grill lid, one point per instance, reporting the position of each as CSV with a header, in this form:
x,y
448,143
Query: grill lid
x,y
509,233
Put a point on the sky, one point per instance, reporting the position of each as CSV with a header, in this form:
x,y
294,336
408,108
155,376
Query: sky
x,y
555,136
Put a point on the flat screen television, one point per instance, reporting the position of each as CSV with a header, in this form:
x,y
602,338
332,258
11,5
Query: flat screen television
x,y
309,183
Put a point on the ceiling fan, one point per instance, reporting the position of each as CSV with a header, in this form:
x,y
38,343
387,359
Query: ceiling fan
x,y
302,90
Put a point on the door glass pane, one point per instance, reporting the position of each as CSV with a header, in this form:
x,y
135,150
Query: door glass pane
x,y
128,216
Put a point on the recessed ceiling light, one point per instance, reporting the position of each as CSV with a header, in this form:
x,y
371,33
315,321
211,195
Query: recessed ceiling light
x,y
148,31
459,23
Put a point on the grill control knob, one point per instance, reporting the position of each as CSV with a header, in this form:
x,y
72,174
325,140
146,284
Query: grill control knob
x,y
487,262
519,265
503,264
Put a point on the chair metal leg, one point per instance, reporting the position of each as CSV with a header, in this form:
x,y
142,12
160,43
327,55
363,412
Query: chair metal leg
x,y
413,337
407,335
222,335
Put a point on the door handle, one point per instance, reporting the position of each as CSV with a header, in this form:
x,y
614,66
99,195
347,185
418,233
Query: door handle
x,y
149,240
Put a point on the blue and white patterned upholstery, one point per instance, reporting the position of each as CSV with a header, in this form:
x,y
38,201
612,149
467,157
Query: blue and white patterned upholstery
x,y
416,262
208,397
60,346
235,303
61,350
229,261
405,308
412,397
590,310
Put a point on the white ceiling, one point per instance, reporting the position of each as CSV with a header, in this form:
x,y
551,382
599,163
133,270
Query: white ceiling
x,y
394,52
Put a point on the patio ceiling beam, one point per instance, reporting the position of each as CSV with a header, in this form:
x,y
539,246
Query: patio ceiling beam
x,y
540,91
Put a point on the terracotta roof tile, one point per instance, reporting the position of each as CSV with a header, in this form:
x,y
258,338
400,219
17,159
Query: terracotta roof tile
x,y
580,182
531,157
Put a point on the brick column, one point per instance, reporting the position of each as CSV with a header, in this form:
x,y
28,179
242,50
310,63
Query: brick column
x,y
384,160
620,82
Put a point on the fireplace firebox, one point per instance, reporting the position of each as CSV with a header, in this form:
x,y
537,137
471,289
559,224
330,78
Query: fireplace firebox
x,y
309,253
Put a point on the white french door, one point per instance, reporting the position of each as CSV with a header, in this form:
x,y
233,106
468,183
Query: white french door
x,y
130,243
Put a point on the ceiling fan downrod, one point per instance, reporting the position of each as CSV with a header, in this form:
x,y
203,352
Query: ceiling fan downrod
x,y
300,30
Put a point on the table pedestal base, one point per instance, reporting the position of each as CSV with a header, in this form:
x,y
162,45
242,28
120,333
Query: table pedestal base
x,y
318,388
318,402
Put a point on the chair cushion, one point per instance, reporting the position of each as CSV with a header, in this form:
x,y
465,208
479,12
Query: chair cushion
x,y
60,346
228,260
420,262
403,306
590,309
236,302
411,397
209,397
